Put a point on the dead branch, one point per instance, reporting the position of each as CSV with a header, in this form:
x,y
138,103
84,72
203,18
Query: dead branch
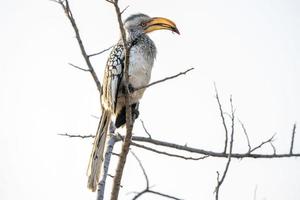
x,y
164,79
147,189
124,9
145,129
263,143
208,152
273,147
65,6
166,153
142,167
293,137
255,193
129,120
220,181
246,134
77,136
222,117
75,66
198,150
100,52
108,153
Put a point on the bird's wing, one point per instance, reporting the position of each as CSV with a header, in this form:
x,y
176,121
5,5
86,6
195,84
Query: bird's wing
x,y
113,77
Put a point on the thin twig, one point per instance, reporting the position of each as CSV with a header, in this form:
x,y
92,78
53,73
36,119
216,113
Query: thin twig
x,y
273,147
293,137
194,149
164,79
147,189
65,6
142,167
95,54
95,116
145,129
220,181
75,66
166,153
255,192
246,134
222,117
124,9
77,136
263,143
108,153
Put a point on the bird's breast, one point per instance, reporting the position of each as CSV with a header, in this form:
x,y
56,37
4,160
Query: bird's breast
x,y
140,67
141,61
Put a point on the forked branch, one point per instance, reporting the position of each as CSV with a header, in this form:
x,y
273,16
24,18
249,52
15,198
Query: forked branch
x,y
148,189
66,7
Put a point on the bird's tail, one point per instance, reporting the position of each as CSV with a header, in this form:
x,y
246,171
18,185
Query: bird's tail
x,y
96,159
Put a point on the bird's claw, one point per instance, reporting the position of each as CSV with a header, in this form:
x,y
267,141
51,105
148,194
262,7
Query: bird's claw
x,y
135,113
131,88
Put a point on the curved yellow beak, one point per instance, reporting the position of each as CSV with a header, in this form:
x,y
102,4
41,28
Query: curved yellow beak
x,y
160,23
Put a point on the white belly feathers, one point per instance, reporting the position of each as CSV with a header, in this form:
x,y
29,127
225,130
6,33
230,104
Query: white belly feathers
x,y
140,68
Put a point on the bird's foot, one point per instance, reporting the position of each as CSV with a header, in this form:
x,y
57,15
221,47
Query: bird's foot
x,y
131,89
135,113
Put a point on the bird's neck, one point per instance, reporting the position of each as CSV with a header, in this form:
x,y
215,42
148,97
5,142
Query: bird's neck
x,y
133,36
133,39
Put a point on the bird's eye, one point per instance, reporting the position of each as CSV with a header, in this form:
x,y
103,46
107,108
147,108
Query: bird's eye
x,y
143,24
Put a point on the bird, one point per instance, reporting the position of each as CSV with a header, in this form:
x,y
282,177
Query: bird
x,y
142,53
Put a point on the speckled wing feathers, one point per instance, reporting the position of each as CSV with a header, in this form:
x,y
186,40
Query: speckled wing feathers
x,y
113,77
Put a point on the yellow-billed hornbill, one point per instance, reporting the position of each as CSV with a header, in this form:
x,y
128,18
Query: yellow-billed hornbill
x,y
141,58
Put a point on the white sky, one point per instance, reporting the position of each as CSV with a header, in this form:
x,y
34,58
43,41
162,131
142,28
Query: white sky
x,y
249,48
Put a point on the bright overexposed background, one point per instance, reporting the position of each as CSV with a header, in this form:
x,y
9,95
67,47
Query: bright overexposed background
x,y
249,48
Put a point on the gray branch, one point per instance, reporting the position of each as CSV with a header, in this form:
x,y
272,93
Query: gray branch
x,y
110,145
220,181
66,7
246,134
147,189
198,150
293,137
222,117
164,79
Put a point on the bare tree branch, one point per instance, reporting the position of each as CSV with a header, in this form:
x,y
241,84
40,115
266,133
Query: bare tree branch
x,y
129,120
208,152
166,153
255,192
223,118
144,127
124,9
98,53
273,147
293,137
75,66
147,189
142,167
197,150
220,181
246,134
164,79
263,143
109,148
65,6
76,136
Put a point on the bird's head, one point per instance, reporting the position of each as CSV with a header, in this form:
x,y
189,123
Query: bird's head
x,y
139,24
